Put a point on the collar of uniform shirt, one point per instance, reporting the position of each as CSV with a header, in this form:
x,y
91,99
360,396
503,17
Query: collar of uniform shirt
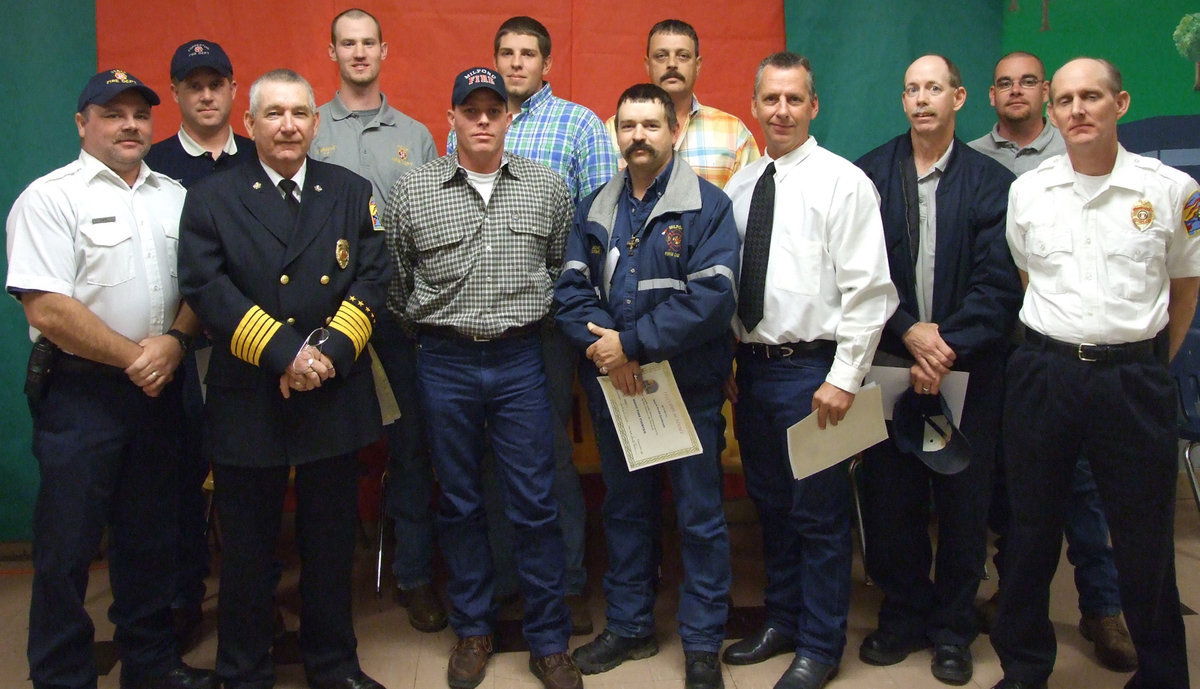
x,y
94,168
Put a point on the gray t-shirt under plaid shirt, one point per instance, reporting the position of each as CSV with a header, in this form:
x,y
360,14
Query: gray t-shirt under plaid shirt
x,y
480,269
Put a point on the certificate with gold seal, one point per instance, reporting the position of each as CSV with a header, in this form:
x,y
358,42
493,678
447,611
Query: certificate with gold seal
x,y
653,427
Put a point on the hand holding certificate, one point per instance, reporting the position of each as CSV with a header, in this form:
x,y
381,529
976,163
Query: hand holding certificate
x,y
653,427
812,449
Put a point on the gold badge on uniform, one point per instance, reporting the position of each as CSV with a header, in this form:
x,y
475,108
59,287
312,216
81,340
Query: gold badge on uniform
x,y
343,253
1142,214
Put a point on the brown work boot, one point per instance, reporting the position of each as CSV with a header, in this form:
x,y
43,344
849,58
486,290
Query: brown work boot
x,y
425,611
581,617
1114,648
556,671
468,661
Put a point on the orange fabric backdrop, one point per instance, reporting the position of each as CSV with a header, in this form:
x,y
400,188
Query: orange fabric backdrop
x,y
598,47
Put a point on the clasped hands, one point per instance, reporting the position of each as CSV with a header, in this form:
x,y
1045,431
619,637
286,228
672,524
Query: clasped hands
x,y
934,358
609,356
155,366
307,371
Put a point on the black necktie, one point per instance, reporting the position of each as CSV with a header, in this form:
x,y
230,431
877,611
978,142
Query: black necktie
x,y
756,250
288,187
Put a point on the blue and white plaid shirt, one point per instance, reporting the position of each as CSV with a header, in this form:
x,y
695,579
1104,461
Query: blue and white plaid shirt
x,y
564,136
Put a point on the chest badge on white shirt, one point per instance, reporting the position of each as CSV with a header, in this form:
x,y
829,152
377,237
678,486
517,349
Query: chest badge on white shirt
x,y
1142,214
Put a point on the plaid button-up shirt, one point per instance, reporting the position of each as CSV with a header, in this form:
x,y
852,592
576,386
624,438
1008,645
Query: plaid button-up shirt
x,y
479,268
715,143
566,136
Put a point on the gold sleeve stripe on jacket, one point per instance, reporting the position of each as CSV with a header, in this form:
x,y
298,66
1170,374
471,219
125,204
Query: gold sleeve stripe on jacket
x,y
354,324
251,336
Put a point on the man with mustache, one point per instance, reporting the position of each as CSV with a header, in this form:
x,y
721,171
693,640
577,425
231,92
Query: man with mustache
x,y
477,237
649,276
1108,248
1021,140
91,258
203,86
715,144
813,298
362,132
943,207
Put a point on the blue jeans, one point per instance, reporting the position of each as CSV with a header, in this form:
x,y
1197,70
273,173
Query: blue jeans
x,y
632,503
561,359
805,524
477,393
410,474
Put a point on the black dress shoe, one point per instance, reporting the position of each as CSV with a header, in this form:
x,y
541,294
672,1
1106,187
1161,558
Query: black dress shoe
x,y
182,677
608,650
882,647
1016,684
767,643
952,664
702,670
358,680
806,673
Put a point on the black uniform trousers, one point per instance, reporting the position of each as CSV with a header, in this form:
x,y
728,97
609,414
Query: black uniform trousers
x,y
326,505
927,596
106,456
1120,414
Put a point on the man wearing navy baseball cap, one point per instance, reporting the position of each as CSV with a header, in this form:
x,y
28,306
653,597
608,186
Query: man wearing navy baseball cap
x,y
203,87
478,238
91,258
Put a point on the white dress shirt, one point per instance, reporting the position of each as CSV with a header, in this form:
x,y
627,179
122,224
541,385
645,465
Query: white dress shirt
x,y
827,276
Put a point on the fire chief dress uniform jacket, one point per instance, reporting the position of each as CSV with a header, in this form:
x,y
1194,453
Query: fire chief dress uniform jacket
x,y
260,283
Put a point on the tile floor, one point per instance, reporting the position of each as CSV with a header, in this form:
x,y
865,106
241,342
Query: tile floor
x,y
402,658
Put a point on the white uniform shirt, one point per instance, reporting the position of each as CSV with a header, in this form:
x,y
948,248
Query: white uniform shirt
x,y
827,277
81,231
1100,268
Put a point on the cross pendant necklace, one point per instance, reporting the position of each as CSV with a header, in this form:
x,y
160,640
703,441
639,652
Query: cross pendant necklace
x,y
633,244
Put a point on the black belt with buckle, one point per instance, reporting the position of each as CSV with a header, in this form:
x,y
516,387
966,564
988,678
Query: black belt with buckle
x,y
452,333
1086,351
758,350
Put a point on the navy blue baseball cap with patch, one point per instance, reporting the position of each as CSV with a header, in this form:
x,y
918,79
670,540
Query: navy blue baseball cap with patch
x,y
923,426
200,53
474,79
106,85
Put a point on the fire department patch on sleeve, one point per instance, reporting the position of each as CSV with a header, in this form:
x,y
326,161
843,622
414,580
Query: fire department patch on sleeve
x,y
1191,214
375,215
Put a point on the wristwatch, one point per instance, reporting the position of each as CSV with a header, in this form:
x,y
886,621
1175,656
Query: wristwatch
x,y
185,340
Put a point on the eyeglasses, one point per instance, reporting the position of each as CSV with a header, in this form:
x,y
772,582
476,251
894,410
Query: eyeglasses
x,y
1025,82
302,362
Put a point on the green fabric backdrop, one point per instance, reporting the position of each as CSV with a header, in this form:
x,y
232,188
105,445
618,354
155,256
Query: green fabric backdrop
x,y
47,52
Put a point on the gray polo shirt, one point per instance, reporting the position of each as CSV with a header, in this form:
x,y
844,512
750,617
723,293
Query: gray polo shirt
x,y
1017,159
383,149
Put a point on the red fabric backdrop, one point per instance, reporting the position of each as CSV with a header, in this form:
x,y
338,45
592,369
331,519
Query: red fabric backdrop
x,y
598,46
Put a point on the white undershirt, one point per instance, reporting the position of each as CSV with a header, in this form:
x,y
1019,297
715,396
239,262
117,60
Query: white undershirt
x,y
483,182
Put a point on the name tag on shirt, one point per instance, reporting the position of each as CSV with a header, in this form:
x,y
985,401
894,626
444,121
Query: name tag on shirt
x,y
110,218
